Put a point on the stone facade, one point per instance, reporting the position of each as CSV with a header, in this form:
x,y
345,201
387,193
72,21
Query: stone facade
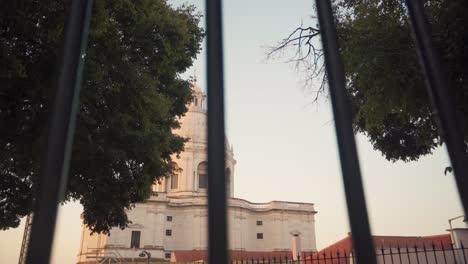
x,y
175,217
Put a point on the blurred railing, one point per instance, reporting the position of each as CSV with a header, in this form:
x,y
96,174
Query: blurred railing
x,y
433,254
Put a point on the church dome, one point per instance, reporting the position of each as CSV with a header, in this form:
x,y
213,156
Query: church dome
x,y
193,124
193,160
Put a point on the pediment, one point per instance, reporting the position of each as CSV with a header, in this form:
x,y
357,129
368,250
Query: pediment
x,y
136,225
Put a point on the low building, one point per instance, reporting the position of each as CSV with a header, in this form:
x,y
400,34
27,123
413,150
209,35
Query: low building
x,y
435,249
175,217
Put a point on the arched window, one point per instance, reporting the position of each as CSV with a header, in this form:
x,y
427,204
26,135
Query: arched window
x,y
228,182
203,175
174,181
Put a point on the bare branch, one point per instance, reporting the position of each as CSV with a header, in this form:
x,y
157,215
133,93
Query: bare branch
x,y
307,57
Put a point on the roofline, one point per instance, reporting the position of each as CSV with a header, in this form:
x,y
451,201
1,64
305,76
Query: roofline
x,y
267,209
374,237
280,201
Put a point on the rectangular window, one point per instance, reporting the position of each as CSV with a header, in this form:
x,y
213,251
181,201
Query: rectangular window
x,y
167,255
259,222
168,232
203,181
169,218
259,235
174,181
135,241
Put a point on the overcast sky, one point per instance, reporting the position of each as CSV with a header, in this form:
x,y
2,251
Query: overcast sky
x,y
285,147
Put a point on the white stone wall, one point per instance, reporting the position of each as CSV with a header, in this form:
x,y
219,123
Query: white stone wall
x,y
91,246
280,222
279,225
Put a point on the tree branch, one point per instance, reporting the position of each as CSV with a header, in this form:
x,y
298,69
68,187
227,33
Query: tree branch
x,y
307,56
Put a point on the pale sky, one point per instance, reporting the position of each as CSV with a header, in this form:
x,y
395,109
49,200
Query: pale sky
x,y
286,149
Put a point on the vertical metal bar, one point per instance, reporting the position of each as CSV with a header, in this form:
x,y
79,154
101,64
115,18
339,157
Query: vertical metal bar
x,y
463,251
408,254
417,254
434,251
391,254
443,251
217,219
399,253
442,104
453,253
54,169
383,254
354,191
425,253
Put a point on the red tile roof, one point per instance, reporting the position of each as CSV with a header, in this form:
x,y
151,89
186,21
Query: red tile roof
x,y
196,255
345,245
437,241
257,255
189,255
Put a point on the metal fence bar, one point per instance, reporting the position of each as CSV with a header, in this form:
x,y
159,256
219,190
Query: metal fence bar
x,y
408,254
54,169
391,255
217,220
354,191
462,248
425,253
417,255
439,94
443,251
399,253
453,253
435,253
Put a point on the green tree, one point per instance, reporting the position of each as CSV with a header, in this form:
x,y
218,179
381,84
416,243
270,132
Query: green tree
x,y
384,80
131,98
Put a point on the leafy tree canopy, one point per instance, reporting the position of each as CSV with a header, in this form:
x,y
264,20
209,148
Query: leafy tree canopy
x,y
384,79
131,97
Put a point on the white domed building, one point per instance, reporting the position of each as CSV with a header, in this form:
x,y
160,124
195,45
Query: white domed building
x,y
172,224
